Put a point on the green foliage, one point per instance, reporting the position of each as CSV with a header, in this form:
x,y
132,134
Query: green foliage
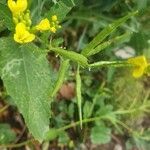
x,y
6,134
72,56
137,142
104,98
6,16
100,134
51,134
61,8
86,109
104,33
79,96
104,45
28,83
63,138
63,69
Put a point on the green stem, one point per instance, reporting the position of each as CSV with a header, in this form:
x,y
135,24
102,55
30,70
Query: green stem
x,y
143,108
3,109
125,126
82,60
121,112
78,123
17,145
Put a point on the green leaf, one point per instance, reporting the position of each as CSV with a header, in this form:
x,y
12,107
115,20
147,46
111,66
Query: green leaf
x,y
36,7
51,134
3,2
27,78
141,144
71,110
79,96
61,9
6,134
142,4
86,109
63,138
100,134
7,16
105,110
106,44
105,32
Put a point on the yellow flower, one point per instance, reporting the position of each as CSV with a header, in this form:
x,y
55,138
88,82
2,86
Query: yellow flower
x,y
53,29
18,6
140,65
22,35
43,25
54,18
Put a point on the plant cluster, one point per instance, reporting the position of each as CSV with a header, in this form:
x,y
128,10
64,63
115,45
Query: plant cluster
x,y
32,83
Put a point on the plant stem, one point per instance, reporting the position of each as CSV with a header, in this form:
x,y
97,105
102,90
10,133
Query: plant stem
x,y
3,109
17,145
78,123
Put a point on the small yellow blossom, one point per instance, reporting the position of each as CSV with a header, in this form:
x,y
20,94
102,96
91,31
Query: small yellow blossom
x,y
17,6
140,65
51,25
43,25
53,29
22,35
54,18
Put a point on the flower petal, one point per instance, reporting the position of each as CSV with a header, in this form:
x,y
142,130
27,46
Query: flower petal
x,y
22,35
140,65
43,25
18,6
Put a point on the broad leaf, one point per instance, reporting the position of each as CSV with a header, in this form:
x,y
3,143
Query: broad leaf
x,y
27,79
6,15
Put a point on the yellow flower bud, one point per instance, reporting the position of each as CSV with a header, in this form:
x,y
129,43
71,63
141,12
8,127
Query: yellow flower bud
x,y
43,25
53,29
22,35
140,65
18,6
54,18
27,18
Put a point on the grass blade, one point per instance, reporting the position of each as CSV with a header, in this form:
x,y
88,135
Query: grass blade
x,y
105,32
106,44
